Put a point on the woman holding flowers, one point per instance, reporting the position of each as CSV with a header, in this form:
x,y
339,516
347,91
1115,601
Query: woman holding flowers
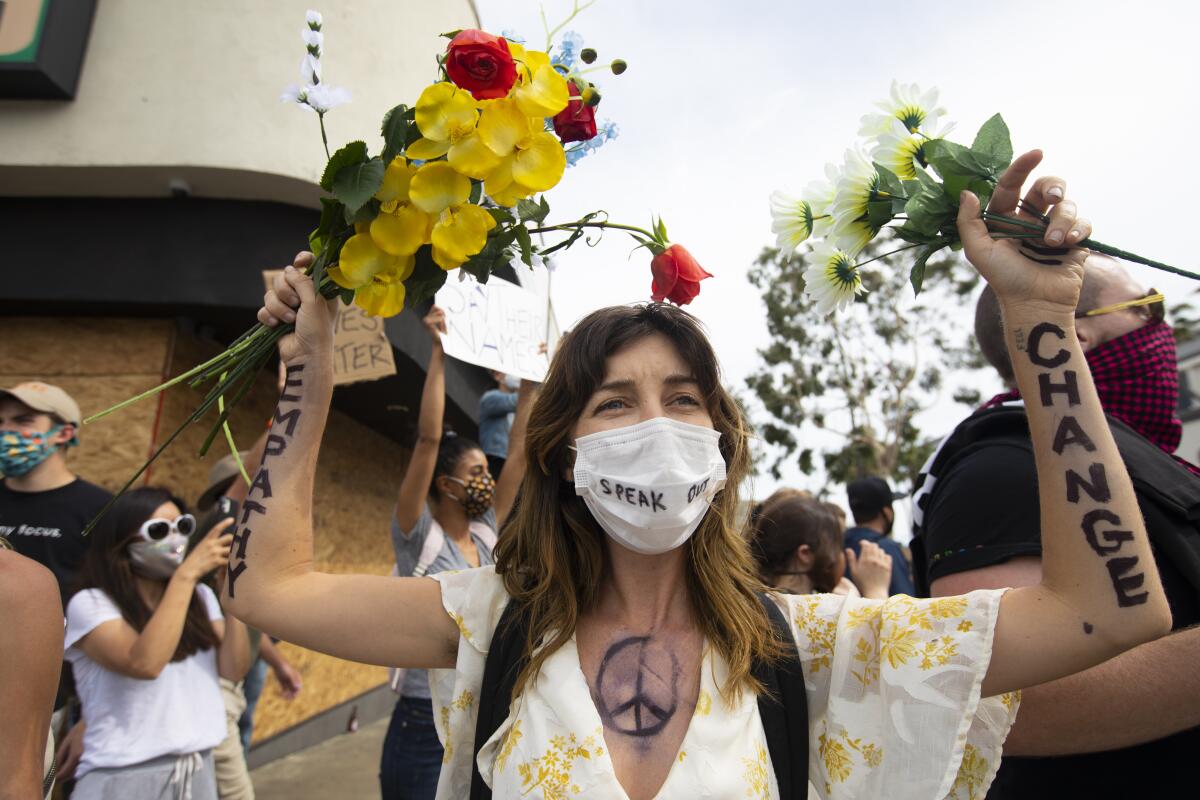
x,y
640,598
445,519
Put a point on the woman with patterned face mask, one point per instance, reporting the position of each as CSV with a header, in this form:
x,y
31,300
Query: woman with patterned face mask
x,y
647,663
448,512
148,644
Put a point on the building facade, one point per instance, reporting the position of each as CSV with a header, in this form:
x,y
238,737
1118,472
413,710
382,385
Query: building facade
x,y
148,174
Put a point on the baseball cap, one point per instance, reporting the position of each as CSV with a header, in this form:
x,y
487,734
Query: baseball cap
x,y
220,477
870,494
49,400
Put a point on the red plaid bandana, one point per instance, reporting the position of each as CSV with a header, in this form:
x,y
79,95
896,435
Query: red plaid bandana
x,y
1138,383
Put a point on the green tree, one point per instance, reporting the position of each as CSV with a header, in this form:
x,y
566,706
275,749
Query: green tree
x,y
863,373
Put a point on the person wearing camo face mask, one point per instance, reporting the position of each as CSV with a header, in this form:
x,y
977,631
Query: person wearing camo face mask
x,y
451,504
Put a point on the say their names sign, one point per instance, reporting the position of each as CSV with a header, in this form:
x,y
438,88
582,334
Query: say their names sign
x,y
361,351
497,325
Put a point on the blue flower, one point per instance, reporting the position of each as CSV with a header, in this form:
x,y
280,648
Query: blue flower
x,y
605,132
568,50
513,36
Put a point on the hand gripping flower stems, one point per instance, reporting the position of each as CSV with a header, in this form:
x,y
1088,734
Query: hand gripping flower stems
x,y
910,185
459,182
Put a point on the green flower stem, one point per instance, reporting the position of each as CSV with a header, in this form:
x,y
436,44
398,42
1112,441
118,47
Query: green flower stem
x,y
237,457
885,255
324,138
573,226
1092,244
216,360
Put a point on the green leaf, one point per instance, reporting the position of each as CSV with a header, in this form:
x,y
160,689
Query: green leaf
x,y
533,210
395,130
367,213
353,153
502,216
426,279
992,144
888,181
476,192
879,213
347,296
928,211
949,159
526,245
917,276
356,183
331,215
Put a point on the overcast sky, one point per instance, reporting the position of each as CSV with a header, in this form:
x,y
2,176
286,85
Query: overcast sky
x,y
725,102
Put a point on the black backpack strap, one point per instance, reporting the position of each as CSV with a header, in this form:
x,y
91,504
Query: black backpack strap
x,y
783,708
505,660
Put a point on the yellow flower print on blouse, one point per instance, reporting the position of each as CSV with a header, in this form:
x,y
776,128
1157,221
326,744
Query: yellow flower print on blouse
x,y
968,784
551,772
838,755
758,784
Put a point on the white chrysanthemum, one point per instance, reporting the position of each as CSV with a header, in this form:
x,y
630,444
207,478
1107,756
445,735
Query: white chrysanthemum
x,y
903,152
916,109
323,97
794,219
832,280
313,19
857,186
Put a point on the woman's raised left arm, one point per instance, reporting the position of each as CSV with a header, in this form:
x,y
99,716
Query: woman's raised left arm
x,y
1100,593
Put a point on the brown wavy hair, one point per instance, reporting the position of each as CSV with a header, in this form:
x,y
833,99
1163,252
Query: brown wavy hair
x,y
782,523
552,555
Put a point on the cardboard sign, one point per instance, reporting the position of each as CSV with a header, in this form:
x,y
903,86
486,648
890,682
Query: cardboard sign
x,y
361,350
497,325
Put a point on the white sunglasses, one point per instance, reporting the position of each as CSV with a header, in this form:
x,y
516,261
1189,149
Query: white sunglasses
x,y
155,530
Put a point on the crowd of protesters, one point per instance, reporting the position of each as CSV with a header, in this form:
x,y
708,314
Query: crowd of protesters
x,y
153,684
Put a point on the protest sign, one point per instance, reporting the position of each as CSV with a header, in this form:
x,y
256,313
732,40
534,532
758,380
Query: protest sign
x,y
497,325
361,350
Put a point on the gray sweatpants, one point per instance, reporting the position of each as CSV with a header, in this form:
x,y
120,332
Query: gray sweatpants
x,y
188,777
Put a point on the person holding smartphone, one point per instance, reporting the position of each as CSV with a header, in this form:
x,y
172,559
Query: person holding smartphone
x,y
149,644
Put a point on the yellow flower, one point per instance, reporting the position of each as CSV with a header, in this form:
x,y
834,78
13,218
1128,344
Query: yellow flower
x,y
381,298
437,186
446,117
360,261
460,232
526,155
400,228
541,90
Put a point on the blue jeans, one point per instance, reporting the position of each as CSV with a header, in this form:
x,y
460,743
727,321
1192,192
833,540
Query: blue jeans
x,y
412,754
252,687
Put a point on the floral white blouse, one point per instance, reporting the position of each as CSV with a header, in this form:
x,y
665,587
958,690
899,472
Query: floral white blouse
x,y
893,703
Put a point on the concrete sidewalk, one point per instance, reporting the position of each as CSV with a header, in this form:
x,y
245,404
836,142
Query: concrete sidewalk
x,y
345,766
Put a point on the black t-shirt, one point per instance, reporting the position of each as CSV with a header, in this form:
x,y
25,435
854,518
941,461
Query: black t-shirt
x,y
984,510
48,526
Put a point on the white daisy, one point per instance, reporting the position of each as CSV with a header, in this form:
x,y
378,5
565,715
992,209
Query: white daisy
x,y
323,97
832,280
903,152
916,109
857,186
792,221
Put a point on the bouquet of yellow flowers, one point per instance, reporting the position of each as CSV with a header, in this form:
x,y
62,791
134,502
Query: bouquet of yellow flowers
x,y
459,183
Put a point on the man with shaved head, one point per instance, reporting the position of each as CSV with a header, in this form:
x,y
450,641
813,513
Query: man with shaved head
x,y
1130,726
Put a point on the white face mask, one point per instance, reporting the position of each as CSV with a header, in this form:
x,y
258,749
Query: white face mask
x,y
649,485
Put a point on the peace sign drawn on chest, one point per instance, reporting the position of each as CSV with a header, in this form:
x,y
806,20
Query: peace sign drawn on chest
x,y
637,686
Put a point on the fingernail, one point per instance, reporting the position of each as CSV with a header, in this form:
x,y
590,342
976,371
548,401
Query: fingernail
x,y
1076,235
290,316
1055,193
289,268
1054,237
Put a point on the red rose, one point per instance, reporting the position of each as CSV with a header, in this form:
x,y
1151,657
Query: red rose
x,y
481,63
576,122
677,276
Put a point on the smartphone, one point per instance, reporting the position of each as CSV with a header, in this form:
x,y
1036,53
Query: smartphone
x,y
224,509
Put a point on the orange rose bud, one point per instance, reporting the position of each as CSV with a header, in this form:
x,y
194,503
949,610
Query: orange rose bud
x,y
677,276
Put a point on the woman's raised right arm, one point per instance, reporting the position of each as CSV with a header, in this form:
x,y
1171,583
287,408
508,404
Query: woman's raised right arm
x,y
272,584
